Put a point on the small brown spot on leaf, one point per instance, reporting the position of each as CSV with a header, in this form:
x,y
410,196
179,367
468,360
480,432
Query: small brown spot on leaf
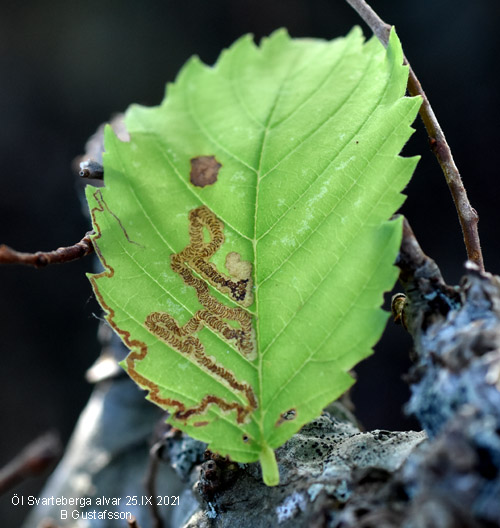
x,y
204,170
286,416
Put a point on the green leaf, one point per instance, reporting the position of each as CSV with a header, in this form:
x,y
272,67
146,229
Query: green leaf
x,y
245,238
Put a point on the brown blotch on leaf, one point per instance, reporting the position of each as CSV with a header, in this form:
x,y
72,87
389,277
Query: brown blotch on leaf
x,y
204,170
286,417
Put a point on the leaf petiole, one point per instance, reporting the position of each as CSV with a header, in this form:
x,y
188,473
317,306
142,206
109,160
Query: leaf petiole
x,y
270,472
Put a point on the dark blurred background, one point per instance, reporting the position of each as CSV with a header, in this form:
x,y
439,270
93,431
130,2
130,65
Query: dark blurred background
x,y
66,66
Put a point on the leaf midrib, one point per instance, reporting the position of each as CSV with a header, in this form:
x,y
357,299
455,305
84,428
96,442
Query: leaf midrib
x,y
269,126
260,411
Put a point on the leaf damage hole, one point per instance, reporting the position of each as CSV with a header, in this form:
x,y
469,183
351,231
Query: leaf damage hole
x,y
287,416
195,256
204,171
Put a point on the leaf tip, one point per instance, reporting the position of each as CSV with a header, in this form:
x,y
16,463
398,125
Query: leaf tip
x,y
394,48
244,41
355,33
278,37
280,33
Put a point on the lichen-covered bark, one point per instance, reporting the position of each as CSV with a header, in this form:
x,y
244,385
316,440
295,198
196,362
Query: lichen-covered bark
x,y
324,468
455,388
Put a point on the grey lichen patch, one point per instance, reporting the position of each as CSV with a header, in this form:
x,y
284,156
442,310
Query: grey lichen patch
x,y
455,396
335,447
204,171
291,506
382,449
466,455
183,453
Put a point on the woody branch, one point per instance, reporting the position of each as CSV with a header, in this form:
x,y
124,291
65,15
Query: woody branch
x,y
467,215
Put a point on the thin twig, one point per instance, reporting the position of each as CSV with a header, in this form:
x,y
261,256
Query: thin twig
x,y
33,460
48,523
42,258
132,523
467,215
